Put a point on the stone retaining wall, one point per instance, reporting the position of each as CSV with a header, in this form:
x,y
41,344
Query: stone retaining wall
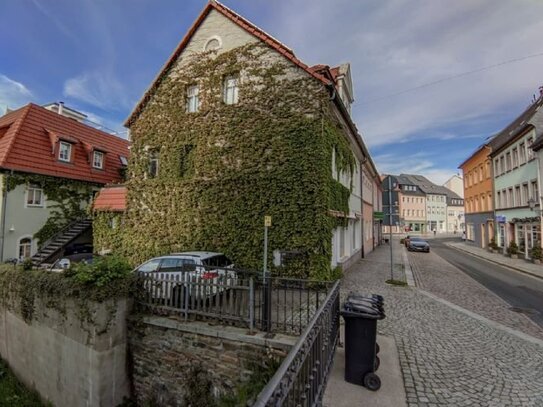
x,y
69,359
175,363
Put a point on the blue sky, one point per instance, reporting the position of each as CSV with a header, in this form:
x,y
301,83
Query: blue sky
x,y
99,56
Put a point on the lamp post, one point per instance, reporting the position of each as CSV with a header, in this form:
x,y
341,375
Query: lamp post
x,y
391,213
531,205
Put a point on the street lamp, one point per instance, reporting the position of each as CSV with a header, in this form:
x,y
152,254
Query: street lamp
x,y
531,204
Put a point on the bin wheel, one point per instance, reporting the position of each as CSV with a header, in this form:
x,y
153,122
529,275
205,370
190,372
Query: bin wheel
x,y
372,381
377,363
377,348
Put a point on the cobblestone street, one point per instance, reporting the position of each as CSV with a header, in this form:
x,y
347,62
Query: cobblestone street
x,y
435,275
449,357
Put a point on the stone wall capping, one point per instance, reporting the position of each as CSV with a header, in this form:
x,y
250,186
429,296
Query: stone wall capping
x,y
279,341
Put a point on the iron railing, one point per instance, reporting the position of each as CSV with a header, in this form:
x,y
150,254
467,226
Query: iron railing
x,y
234,297
221,294
286,304
301,379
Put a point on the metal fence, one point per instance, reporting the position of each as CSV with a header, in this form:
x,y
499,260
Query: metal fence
x,y
301,379
235,297
221,294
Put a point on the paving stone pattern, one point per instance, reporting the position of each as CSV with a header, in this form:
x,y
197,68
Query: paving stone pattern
x,y
433,274
447,357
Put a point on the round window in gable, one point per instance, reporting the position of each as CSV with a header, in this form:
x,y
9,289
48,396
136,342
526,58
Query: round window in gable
x,y
213,44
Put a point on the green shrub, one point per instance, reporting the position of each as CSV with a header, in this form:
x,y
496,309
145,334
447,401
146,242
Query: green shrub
x,y
13,393
101,272
493,245
536,253
513,248
27,264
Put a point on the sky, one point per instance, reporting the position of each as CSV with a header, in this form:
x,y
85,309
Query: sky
x,y
432,78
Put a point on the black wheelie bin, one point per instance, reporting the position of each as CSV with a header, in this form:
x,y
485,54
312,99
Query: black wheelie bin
x,y
361,314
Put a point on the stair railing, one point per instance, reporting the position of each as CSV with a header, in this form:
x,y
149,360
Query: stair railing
x,y
59,233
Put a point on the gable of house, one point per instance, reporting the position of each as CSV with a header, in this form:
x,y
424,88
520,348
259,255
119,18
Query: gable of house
x,y
218,23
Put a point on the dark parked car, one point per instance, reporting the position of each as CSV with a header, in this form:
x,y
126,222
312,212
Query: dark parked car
x,y
78,248
416,244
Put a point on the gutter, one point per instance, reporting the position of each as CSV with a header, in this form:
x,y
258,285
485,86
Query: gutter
x,y
3,221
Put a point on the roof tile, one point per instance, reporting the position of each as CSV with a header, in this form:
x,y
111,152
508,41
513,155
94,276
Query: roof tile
x,y
111,199
30,145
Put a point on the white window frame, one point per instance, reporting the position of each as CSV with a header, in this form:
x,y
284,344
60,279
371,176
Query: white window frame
x,y
32,190
193,99
27,245
100,162
68,150
522,153
231,90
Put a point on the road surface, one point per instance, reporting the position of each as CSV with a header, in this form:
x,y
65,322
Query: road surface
x,y
519,290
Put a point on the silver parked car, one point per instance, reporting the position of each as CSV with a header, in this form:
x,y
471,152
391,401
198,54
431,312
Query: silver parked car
x,y
196,274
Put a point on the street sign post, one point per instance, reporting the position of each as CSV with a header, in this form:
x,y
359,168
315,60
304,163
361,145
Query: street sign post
x,y
266,281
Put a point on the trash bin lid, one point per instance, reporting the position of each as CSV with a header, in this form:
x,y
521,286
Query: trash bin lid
x,y
364,302
372,297
363,308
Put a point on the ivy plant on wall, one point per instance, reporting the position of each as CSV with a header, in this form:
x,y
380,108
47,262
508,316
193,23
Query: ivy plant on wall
x,y
67,199
223,168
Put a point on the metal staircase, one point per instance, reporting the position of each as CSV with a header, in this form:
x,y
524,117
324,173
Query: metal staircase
x,y
60,240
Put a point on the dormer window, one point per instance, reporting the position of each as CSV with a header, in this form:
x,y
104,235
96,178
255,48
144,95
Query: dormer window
x,y
192,99
98,160
231,90
65,151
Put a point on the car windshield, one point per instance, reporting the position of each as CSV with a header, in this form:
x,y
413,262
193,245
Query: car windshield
x,y
217,261
417,239
150,266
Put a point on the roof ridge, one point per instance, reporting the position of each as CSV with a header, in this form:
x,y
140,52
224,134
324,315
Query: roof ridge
x,y
18,124
218,3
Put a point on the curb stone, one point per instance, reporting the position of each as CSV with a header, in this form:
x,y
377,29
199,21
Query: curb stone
x,y
524,271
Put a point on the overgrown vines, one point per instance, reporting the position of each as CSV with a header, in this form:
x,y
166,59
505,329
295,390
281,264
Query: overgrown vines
x,y
66,198
226,166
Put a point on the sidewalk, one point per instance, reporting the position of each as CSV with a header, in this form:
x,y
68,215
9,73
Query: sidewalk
x,y
448,355
340,393
521,265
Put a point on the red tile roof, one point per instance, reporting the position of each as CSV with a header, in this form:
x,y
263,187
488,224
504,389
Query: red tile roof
x,y
111,199
29,143
240,21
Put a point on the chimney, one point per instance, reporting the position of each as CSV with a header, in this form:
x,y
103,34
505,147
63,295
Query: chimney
x,y
60,108
541,91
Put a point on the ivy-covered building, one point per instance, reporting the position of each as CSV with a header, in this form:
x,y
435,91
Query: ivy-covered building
x,y
235,127
50,165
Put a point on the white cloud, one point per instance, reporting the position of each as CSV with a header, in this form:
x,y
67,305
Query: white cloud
x,y
416,164
396,45
109,126
13,94
99,89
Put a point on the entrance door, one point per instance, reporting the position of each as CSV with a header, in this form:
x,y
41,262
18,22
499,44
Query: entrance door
x,y
483,236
